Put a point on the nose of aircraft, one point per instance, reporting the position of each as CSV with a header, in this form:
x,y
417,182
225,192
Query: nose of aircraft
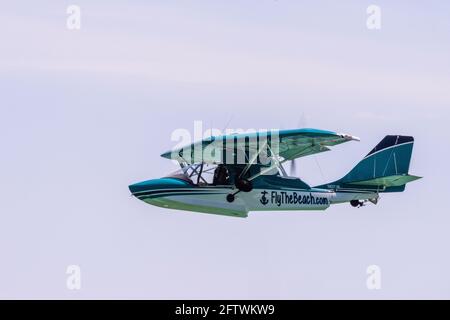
x,y
157,184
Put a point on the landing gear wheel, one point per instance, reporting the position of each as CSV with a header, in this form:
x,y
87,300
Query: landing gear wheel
x,y
356,203
230,197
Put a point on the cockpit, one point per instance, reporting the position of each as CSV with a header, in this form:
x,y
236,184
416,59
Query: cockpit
x,y
223,175
203,174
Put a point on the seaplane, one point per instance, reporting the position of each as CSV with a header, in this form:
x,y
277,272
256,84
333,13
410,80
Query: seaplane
x,y
235,174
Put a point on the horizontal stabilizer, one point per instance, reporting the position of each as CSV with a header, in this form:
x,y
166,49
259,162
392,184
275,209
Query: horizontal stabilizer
x,y
389,181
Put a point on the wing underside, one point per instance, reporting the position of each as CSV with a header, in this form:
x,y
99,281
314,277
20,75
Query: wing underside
x,y
287,144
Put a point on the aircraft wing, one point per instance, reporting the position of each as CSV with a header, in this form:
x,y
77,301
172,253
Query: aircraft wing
x,y
291,144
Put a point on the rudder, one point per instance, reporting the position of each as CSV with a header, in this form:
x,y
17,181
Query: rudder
x,y
384,168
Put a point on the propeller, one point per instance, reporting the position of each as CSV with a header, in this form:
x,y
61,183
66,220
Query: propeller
x,y
293,171
300,124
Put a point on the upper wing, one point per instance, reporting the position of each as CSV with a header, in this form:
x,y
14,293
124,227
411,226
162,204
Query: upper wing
x,y
290,144
304,142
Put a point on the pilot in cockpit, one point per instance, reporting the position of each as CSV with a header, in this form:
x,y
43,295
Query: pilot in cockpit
x,y
221,176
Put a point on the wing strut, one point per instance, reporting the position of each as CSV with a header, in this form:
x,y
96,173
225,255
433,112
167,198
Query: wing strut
x,y
253,159
246,184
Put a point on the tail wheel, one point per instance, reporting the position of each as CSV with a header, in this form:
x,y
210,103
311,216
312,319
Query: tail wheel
x,y
356,203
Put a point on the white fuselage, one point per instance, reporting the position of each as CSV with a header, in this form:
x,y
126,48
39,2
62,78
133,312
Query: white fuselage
x,y
213,200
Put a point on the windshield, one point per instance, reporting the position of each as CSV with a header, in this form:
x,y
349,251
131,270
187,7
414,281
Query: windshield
x,y
203,174
197,174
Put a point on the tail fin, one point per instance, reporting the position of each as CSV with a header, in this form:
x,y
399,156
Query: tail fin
x,y
385,168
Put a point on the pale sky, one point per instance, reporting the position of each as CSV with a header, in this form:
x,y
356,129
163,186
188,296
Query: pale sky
x,y
85,113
